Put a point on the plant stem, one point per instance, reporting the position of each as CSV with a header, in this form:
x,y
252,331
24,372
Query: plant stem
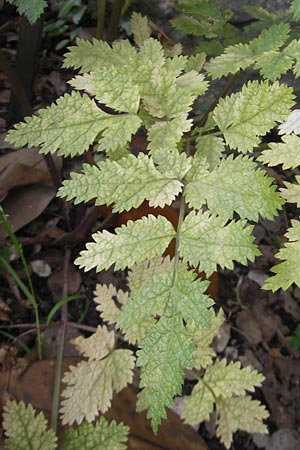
x,y
114,20
61,344
101,7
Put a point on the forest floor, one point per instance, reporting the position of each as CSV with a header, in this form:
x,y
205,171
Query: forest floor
x,y
261,328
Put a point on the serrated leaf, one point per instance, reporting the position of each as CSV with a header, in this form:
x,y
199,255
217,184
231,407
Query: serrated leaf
x,y
113,86
133,243
140,274
101,436
273,64
190,25
293,51
239,413
32,9
292,124
236,185
202,338
165,353
98,345
288,271
126,183
90,385
241,56
209,241
182,291
295,9
97,55
140,28
286,153
196,62
199,405
211,148
71,125
104,298
246,116
25,430
291,193
228,379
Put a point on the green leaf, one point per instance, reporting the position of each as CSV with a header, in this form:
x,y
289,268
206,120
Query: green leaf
x,y
292,192
113,86
97,55
294,9
126,183
288,271
104,298
32,9
140,28
98,345
190,25
101,436
24,430
236,185
286,153
211,148
239,413
293,51
209,241
199,405
202,338
246,116
165,353
90,385
140,273
195,62
71,125
273,64
135,242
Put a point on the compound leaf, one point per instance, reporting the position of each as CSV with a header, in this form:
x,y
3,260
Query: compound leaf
x,y
286,153
246,116
133,243
236,185
125,183
239,413
71,125
288,271
209,241
199,405
104,297
99,436
165,353
90,385
26,430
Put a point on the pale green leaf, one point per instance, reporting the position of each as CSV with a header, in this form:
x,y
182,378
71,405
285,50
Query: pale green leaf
x,y
236,185
228,379
25,430
71,125
209,241
251,113
196,62
32,9
133,243
239,413
140,28
99,436
288,271
97,55
98,345
175,50
273,64
199,405
126,183
211,148
292,124
190,25
202,338
286,153
90,385
165,353
113,86
291,193
104,298
140,274
176,65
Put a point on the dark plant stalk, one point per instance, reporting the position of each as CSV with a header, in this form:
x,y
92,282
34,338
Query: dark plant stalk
x,y
101,8
114,20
